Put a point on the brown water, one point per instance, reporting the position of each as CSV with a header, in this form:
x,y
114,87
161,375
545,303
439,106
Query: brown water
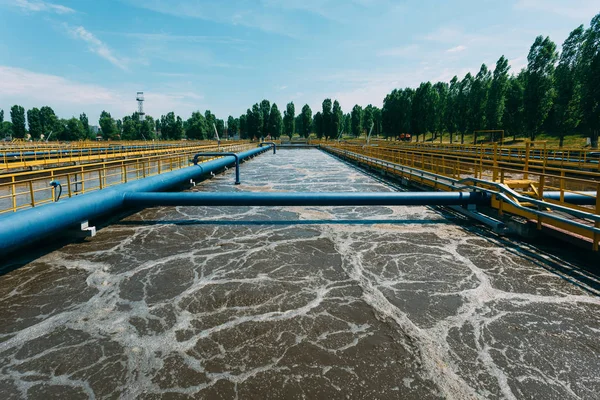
x,y
296,302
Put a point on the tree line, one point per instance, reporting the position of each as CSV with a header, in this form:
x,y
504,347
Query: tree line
x,y
43,124
557,93
265,120
168,127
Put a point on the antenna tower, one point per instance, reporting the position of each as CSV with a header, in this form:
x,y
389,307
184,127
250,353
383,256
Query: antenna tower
x,y
140,100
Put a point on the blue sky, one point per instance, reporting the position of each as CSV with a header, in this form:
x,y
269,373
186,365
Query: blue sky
x,y
89,55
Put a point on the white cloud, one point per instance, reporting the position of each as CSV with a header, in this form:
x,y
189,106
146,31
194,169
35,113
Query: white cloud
x,y
229,12
403,51
517,64
166,37
457,49
363,88
273,16
446,34
582,10
38,6
95,45
68,98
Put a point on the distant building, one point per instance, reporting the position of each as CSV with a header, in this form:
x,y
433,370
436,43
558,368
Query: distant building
x,y
95,129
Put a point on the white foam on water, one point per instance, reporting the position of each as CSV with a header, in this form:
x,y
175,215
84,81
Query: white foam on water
x,y
442,294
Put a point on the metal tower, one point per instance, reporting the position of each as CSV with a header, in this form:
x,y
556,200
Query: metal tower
x,y
140,101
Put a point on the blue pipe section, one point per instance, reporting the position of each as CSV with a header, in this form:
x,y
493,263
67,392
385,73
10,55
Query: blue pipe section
x,y
24,227
218,154
582,199
306,199
261,144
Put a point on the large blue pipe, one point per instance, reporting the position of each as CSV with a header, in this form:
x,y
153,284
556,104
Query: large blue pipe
x,y
272,144
306,199
582,199
24,227
219,154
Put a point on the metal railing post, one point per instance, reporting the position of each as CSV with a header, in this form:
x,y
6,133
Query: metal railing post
x,y
597,224
526,167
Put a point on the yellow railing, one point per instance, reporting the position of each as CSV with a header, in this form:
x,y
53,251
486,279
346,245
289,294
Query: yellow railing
x,y
482,162
36,154
30,189
442,172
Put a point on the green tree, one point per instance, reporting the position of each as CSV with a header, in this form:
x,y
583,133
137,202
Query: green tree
x,y
439,98
451,112
119,125
250,133
347,124
5,126
289,119
255,122
390,113
377,120
17,116
298,124
337,119
462,106
367,118
132,128
406,105
148,128
589,78
514,112
566,110
265,109
244,126
478,97
171,126
539,90
423,118
70,130
129,128
220,127
497,96
318,125
306,121
6,129
35,123
356,123
108,126
232,126
196,127
211,122
396,113
276,122
158,128
178,128
48,122
86,125
327,119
